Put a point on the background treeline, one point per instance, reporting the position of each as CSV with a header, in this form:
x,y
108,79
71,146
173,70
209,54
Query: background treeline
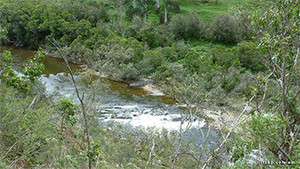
x,y
142,47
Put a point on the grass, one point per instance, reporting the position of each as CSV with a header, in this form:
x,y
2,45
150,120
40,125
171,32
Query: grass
x,y
209,11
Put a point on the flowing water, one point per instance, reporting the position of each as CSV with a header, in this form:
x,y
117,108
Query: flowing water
x,y
130,106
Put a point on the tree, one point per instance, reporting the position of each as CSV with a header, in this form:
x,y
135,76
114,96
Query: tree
x,y
32,70
134,4
157,5
166,11
279,32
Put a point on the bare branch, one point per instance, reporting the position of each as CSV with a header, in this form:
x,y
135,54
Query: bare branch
x,y
237,122
296,58
11,147
280,149
56,45
150,154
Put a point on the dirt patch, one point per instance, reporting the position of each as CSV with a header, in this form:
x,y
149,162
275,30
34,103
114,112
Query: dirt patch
x,y
154,90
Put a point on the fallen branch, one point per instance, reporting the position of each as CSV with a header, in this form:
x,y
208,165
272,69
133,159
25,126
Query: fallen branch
x,y
31,104
150,154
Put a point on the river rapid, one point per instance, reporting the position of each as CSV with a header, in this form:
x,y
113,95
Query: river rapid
x,y
119,103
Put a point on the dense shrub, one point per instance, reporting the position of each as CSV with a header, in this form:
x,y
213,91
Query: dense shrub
x,y
225,29
244,56
132,12
173,6
178,26
176,51
184,27
250,57
152,59
29,22
150,34
231,80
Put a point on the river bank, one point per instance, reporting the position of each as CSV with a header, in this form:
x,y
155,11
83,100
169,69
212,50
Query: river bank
x,y
219,118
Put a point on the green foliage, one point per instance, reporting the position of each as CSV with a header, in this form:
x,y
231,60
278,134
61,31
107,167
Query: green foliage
x,y
29,22
231,80
33,69
27,131
9,76
173,6
3,34
152,59
68,109
245,55
35,66
225,29
176,51
184,27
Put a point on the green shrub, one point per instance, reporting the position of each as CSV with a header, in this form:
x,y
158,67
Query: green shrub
x,y
176,51
231,80
178,26
132,12
129,72
184,27
192,61
244,56
29,22
250,57
225,29
173,6
152,59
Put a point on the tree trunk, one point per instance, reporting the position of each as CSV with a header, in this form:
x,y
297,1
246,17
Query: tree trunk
x,y
166,11
145,11
157,4
134,4
121,12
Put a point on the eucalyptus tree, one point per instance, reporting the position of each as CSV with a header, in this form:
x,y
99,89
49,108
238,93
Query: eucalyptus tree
x,y
157,5
279,32
166,11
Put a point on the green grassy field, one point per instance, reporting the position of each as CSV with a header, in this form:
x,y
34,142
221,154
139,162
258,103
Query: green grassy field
x,y
213,8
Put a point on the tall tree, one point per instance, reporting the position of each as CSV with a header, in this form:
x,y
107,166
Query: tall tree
x,y
134,3
279,33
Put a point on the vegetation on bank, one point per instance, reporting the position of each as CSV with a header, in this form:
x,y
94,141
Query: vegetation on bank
x,y
195,58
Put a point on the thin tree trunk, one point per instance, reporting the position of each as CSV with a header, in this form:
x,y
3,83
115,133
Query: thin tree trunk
x,y
79,98
121,12
134,4
157,5
166,11
145,11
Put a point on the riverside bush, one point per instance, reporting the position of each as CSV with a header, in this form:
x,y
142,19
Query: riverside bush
x,y
152,59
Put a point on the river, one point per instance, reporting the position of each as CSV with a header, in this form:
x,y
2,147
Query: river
x,y
129,106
